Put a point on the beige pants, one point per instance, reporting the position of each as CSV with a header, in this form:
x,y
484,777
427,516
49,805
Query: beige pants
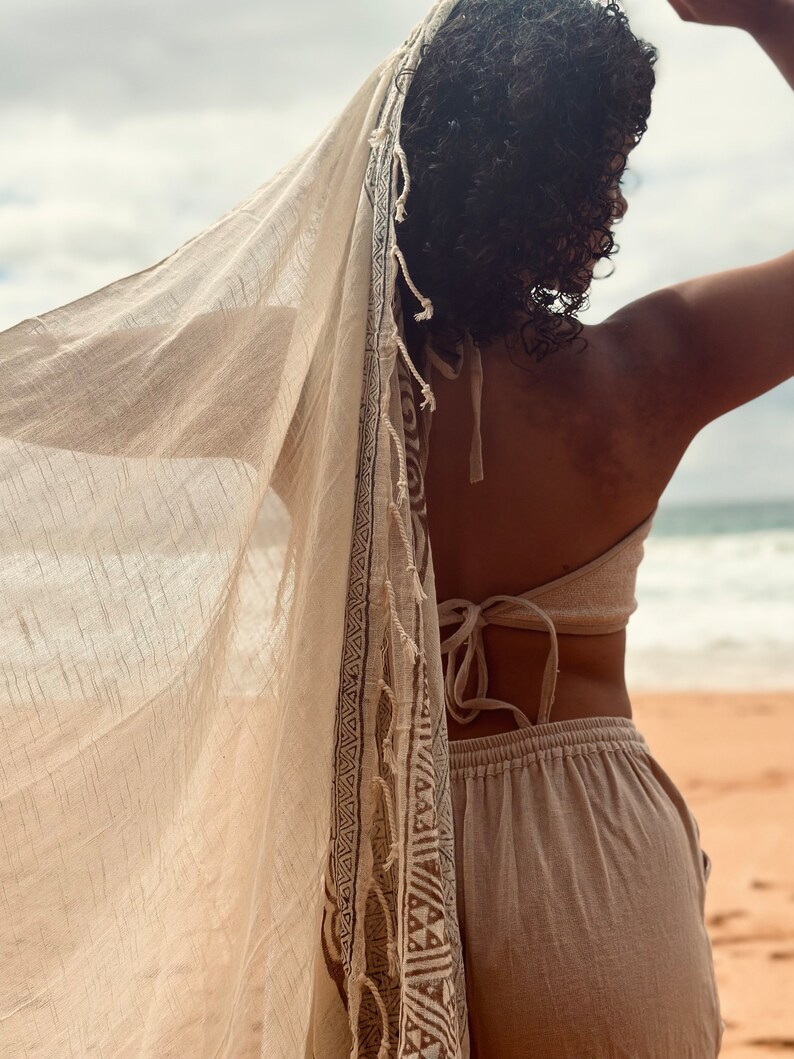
x,y
580,886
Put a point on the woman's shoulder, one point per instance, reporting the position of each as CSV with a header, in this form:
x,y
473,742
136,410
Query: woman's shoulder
x,y
697,349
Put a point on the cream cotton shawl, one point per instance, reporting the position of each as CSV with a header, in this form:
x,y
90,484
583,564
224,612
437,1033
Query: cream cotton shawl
x,y
225,818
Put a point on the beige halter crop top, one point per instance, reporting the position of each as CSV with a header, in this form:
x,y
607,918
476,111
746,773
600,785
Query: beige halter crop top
x,y
597,598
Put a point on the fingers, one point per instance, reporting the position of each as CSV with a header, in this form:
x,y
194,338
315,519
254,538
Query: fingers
x,y
682,9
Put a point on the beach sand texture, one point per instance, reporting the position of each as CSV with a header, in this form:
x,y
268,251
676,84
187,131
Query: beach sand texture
x,y
732,757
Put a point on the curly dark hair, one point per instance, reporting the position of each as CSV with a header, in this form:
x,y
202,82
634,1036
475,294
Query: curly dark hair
x,y
516,127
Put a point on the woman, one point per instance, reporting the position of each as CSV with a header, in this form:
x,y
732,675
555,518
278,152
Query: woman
x,y
227,820
580,878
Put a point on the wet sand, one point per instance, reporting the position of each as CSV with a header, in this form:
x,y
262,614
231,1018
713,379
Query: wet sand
x,y
732,756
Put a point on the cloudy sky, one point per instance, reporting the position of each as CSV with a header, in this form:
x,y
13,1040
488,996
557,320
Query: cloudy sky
x,y
126,128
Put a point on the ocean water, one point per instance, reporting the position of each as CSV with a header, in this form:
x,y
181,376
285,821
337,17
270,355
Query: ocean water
x,y
715,594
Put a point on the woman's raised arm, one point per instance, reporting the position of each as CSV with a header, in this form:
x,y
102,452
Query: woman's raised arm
x,y
717,341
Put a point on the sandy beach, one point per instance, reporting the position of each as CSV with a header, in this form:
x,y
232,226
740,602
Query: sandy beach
x,y
730,754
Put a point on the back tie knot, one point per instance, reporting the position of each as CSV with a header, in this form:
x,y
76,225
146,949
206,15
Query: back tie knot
x,y
473,617
472,621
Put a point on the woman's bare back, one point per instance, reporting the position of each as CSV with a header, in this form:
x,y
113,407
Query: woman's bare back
x,y
566,477
577,451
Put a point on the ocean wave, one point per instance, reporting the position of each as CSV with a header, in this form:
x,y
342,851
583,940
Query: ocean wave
x,y
715,598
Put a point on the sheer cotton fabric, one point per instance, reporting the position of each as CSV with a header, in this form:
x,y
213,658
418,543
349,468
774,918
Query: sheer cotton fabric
x,y
225,815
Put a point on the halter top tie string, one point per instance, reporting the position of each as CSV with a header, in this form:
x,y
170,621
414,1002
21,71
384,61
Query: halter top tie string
x,y
473,616
476,473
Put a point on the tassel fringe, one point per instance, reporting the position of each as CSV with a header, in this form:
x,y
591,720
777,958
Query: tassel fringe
x,y
394,343
388,739
383,1051
419,591
410,647
378,136
424,385
374,886
427,305
380,782
391,946
402,481
399,207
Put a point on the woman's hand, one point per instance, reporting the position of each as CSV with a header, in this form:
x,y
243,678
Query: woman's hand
x,y
754,16
770,22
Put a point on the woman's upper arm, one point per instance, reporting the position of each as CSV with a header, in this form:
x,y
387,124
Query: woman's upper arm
x,y
710,344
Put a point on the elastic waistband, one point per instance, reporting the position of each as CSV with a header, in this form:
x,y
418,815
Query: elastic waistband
x,y
493,753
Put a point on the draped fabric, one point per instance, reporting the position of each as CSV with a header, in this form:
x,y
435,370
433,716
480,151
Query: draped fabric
x,y
225,818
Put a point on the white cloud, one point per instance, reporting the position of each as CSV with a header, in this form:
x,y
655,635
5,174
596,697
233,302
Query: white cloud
x,y
109,58
81,206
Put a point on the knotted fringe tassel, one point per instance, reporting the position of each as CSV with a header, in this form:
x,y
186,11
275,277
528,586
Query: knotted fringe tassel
x,y
388,739
424,385
391,945
419,591
399,162
408,644
379,781
378,136
402,481
427,305
399,206
385,1045
373,885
